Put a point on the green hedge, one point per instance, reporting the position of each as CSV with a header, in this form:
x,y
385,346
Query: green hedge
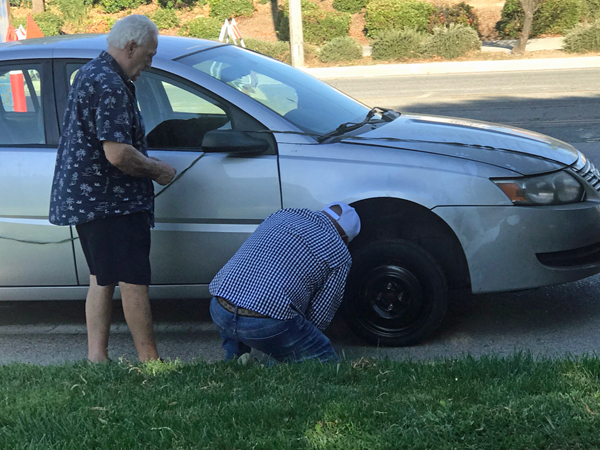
x,y
169,4
341,49
446,42
451,42
398,44
583,38
20,4
279,50
318,25
202,27
165,18
349,6
459,14
397,14
552,16
225,9
49,23
113,6
73,11
18,21
590,10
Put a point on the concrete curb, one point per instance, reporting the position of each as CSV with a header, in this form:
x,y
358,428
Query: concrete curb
x,y
386,70
117,328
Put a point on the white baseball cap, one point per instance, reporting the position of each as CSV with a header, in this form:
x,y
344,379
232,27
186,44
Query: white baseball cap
x,y
348,220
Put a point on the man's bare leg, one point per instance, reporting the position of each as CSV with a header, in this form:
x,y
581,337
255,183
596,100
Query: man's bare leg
x,y
136,307
98,311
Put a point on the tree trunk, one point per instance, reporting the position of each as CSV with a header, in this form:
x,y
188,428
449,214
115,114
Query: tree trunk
x,y
38,6
529,7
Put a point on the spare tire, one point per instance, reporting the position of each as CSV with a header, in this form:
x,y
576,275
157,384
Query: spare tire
x,y
396,293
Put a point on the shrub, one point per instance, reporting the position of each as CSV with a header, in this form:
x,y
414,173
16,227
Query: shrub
x,y
49,23
583,38
170,4
551,16
321,26
558,16
461,14
349,6
318,25
398,44
18,21
590,10
451,42
113,6
397,14
201,27
224,9
279,50
20,3
341,49
165,18
73,10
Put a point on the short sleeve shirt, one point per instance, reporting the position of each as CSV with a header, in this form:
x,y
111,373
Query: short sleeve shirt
x,y
101,107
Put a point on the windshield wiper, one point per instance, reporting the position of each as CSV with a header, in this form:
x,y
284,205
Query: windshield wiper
x,y
387,115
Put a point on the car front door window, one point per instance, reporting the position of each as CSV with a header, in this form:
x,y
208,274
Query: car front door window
x,y
177,116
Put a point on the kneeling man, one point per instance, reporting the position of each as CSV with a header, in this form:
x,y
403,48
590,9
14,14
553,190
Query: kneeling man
x,y
284,285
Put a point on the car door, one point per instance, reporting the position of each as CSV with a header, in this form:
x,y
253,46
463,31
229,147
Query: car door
x,y
32,251
206,214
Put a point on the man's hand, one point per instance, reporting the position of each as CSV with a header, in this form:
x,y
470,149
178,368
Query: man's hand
x,y
165,172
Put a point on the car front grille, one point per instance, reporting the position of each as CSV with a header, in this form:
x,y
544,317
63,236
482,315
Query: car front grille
x,y
586,170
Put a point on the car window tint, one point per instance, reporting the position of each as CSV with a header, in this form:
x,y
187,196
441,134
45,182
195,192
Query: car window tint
x,y
21,97
177,116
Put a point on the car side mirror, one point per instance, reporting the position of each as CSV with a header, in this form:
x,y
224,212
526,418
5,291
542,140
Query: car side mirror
x,y
232,141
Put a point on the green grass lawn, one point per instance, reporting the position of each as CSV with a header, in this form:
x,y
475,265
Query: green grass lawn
x,y
488,403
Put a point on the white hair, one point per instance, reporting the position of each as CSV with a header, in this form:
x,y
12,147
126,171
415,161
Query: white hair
x,y
135,27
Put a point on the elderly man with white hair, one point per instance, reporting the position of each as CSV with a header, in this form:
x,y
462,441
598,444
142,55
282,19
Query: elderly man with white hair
x,y
103,184
283,286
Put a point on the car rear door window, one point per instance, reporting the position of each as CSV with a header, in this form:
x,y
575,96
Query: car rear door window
x,y
21,97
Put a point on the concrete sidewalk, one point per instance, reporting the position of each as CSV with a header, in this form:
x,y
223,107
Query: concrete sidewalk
x,y
533,45
383,70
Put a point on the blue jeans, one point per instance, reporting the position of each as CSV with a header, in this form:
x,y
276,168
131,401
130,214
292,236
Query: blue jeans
x,y
283,340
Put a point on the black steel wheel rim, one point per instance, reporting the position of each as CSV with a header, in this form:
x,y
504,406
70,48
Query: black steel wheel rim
x,y
392,301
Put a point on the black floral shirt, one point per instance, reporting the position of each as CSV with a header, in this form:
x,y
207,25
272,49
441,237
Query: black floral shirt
x,y
101,107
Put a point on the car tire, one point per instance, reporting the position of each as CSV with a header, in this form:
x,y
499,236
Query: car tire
x,y
396,293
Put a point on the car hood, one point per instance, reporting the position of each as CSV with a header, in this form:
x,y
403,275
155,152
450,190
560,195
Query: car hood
x,y
522,151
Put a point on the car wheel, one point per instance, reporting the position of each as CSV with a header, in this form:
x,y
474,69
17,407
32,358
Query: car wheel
x,y
396,293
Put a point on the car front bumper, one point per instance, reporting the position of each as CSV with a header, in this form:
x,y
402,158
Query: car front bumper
x,y
512,247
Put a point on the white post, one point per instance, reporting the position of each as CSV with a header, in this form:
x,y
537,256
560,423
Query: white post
x,y
296,38
4,19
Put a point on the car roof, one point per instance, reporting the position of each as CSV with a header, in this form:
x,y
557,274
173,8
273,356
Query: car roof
x,y
89,45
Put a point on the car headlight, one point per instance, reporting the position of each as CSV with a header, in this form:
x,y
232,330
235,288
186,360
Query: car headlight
x,y
552,189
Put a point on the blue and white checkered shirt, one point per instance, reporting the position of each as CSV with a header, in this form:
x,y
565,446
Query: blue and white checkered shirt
x,y
294,263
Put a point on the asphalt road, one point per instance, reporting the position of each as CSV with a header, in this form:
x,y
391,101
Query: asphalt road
x,y
560,103
549,321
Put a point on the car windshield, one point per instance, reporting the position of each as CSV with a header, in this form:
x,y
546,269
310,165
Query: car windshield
x,y
308,103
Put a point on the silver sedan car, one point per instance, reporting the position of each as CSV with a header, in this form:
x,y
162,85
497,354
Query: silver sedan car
x,y
446,203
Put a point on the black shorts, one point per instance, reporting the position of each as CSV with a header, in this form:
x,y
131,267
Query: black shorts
x,y
117,248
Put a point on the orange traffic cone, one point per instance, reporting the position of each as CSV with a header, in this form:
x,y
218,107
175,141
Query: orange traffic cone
x,y
18,91
11,34
33,31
